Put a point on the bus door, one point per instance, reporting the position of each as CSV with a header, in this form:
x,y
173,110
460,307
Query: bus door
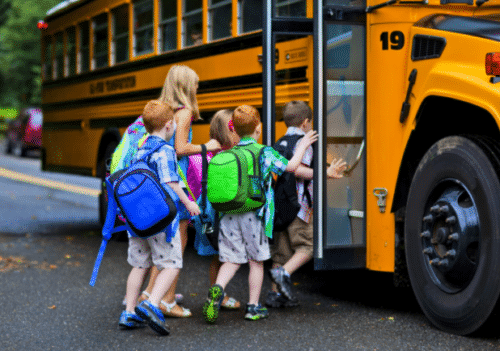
x,y
339,117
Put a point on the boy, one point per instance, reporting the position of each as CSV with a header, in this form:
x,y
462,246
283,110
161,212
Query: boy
x,y
294,247
241,236
142,253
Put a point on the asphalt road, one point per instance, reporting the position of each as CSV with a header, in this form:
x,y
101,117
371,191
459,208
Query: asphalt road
x,y
48,243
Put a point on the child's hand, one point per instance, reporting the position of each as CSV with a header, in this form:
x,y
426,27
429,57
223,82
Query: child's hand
x,y
336,169
193,208
213,145
308,139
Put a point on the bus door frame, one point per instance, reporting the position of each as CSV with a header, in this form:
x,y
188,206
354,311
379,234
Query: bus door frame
x,y
272,27
346,256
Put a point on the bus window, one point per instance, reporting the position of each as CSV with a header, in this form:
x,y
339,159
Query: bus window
x,y
100,57
168,25
120,34
59,56
143,27
291,8
219,14
70,59
192,23
83,51
252,15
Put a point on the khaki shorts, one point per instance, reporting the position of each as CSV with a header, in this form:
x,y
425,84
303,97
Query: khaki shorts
x,y
297,237
242,238
143,253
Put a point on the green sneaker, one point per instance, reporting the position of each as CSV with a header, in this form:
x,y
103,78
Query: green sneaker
x,y
212,305
256,312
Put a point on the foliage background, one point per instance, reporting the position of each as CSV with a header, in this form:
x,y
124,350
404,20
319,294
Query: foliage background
x,y
20,51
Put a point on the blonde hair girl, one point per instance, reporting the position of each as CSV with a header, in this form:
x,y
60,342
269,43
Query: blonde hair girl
x,y
179,90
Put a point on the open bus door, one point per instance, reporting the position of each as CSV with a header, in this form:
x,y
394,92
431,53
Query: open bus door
x,y
340,118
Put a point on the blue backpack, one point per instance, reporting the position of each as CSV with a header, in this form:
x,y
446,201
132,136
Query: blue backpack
x,y
147,206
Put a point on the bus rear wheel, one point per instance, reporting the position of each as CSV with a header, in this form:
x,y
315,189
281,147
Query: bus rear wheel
x,y
452,233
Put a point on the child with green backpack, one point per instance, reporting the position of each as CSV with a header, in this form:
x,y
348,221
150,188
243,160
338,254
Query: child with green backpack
x,y
239,186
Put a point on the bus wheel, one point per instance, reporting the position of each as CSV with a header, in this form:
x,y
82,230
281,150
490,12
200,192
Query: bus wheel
x,y
452,233
102,173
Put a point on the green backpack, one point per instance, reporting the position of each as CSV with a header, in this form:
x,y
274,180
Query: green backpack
x,y
234,180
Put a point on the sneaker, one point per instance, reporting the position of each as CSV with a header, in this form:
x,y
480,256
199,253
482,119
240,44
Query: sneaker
x,y
212,305
276,300
153,316
283,281
129,320
256,312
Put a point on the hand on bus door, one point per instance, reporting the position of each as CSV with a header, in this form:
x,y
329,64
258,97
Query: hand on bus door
x,y
213,145
336,169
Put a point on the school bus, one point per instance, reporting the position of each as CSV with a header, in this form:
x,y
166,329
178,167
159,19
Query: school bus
x,y
405,91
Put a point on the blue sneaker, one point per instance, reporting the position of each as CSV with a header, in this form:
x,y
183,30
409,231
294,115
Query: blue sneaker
x,y
212,305
129,320
153,316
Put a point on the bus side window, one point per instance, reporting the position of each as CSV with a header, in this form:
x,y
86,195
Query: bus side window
x,y
143,27
120,34
291,8
192,23
250,16
47,58
219,14
168,25
100,57
59,59
84,48
70,59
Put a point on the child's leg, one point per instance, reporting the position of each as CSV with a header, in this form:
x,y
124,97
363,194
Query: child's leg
x,y
298,259
163,282
213,270
134,284
255,279
152,277
169,296
226,273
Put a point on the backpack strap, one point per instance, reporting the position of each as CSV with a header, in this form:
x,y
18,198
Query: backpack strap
x,y
204,176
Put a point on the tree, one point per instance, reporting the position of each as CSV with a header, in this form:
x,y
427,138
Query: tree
x,y
20,51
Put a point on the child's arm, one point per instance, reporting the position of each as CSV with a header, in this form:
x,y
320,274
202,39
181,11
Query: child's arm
x,y
336,169
304,172
301,147
191,206
182,146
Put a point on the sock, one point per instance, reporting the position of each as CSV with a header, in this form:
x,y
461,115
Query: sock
x,y
286,273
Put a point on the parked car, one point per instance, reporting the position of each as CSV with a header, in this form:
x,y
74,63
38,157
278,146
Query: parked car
x,y
25,131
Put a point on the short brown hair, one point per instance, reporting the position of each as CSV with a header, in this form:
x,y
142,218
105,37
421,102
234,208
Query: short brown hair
x,y
219,127
156,114
245,119
296,112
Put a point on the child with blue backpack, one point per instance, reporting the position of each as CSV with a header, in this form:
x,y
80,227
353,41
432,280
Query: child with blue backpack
x,y
143,253
243,237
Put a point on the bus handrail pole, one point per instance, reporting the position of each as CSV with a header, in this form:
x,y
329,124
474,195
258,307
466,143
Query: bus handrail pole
x,y
268,73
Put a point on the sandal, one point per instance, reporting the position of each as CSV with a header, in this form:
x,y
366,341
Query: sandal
x,y
230,303
179,298
174,310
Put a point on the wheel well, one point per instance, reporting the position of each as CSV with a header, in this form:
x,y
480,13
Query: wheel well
x,y
110,135
437,118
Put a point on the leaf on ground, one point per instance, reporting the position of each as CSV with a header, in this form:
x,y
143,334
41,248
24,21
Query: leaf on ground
x,y
53,307
33,217
67,256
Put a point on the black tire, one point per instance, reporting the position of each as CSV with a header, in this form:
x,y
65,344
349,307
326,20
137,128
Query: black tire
x,y
24,151
452,233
